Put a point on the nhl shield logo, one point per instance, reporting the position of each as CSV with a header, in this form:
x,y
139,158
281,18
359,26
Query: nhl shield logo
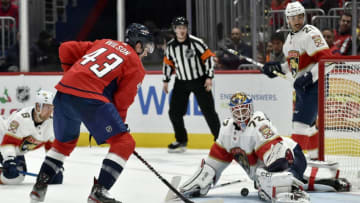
x,y
22,94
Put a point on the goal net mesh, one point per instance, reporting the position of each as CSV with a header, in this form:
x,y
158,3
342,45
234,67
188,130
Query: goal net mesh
x,y
341,116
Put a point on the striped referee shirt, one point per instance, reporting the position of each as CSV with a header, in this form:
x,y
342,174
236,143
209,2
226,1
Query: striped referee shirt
x,y
190,59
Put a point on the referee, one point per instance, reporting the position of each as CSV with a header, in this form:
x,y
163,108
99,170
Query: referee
x,y
192,61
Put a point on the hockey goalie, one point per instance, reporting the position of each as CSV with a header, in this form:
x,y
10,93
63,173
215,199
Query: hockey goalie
x,y
276,164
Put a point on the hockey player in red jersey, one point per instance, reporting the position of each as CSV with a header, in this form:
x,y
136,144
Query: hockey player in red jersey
x,y
276,164
303,49
25,130
100,82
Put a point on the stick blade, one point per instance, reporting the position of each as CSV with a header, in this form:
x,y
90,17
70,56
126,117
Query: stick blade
x,y
171,196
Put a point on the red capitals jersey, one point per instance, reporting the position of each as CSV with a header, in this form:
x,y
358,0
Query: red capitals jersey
x,y
106,70
342,44
12,11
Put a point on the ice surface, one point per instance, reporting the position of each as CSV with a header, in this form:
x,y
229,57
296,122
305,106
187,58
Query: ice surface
x,y
137,184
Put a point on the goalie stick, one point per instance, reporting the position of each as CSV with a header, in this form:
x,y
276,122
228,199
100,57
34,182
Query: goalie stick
x,y
175,182
182,197
260,65
23,172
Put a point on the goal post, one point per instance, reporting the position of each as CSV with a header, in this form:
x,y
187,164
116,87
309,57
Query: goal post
x,y
339,113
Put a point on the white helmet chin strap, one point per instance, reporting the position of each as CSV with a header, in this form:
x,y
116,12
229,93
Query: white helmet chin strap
x,y
37,113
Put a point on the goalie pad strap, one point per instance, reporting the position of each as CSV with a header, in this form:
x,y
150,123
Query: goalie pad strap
x,y
312,178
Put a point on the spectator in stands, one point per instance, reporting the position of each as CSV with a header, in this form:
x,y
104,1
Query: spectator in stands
x,y
7,8
278,20
268,50
277,41
329,36
343,42
12,59
325,5
44,54
226,57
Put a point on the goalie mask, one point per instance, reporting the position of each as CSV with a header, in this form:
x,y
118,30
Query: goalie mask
x,y
294,9
241,107
138,33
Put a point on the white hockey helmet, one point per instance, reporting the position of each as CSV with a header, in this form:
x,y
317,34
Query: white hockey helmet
x,y
44,97
241,107
293,9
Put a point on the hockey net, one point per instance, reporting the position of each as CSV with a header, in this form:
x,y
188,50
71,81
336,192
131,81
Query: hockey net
x,y
339,115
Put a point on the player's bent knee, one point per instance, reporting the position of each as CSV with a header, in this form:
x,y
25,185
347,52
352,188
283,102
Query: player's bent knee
x,y
122,145
64,148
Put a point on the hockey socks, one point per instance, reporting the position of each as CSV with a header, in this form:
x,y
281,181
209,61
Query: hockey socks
x,y
53,168
109,173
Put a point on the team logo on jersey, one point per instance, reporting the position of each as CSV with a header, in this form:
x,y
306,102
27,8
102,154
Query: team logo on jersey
x,y
108,129
241,157
294,61
22,94
14,125
189,53
29,143
266,131
317,40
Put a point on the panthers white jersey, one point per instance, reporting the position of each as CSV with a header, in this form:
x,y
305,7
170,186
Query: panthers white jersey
x,y
255,141
303,51
2,128
21,135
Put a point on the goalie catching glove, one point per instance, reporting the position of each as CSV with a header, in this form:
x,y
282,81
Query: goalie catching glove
x,y
200,183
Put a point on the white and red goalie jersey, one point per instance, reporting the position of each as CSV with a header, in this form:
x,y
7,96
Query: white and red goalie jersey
x,y
20,135
303,50
250,147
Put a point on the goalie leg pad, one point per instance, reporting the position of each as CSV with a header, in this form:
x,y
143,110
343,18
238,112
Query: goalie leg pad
x,y
199,184
271,185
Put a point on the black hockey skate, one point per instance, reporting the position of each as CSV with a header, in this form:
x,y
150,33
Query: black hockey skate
x,y
99,194
39,190
177,147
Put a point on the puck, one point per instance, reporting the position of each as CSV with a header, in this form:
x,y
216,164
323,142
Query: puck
x,y
244,192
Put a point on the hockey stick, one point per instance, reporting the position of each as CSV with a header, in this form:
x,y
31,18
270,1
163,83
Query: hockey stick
x,y
258,64
175,182
226,184
23,172
182,197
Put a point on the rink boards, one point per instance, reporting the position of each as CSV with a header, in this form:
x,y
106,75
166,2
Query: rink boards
x,y
148,116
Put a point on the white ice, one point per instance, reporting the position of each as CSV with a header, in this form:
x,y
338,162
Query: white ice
x,y
137,184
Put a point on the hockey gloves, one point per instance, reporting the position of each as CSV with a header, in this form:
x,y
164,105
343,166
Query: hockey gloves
x,y
270,67
303,81
10,170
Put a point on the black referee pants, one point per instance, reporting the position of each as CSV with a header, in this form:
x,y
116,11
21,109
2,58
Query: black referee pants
x,y
179,102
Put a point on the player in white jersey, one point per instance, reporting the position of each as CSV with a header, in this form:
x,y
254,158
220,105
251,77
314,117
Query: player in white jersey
x,y
272,161
25,130
303,49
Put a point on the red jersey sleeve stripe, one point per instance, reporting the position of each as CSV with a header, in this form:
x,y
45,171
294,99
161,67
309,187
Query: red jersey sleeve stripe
x,y
266,146
252,158
11,140
220,153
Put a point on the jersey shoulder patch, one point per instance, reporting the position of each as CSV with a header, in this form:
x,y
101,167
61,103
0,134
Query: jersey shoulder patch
x,y
266,131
